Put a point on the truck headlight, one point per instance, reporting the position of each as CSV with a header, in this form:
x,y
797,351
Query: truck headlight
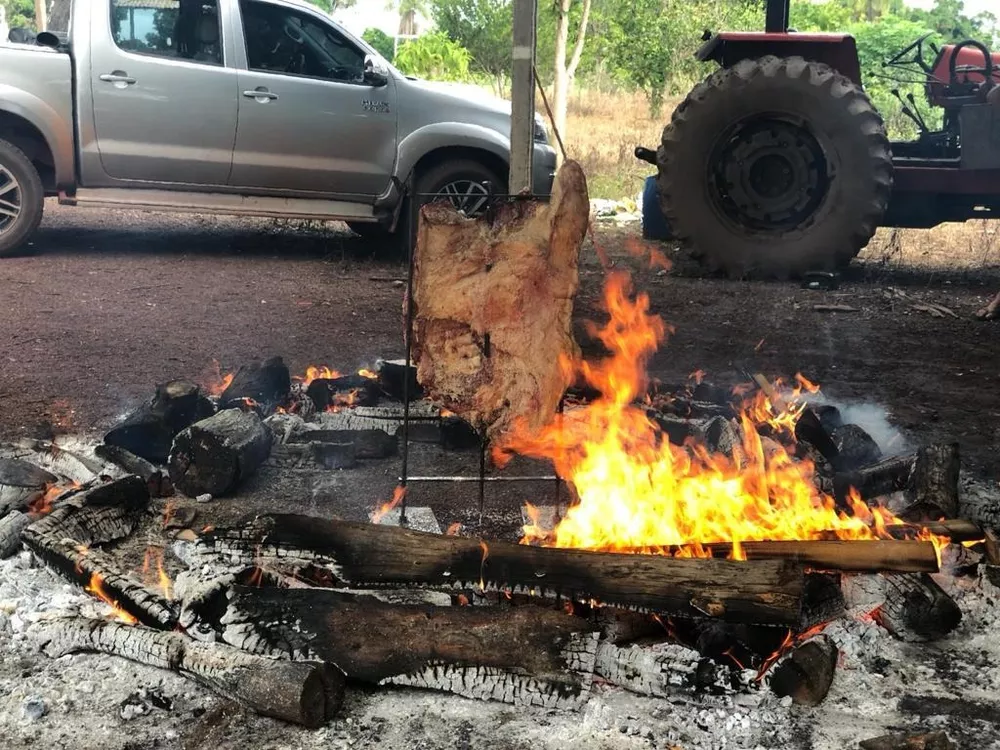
x,y
541,132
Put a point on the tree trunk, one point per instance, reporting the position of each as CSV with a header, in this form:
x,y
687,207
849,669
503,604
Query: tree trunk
x,y
565,69
306,693
522,655
367,556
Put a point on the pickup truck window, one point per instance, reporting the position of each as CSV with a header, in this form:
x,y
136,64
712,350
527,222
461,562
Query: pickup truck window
x,y
282,40
180,29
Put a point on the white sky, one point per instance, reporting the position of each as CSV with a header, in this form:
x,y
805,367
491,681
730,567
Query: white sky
x,y
972,7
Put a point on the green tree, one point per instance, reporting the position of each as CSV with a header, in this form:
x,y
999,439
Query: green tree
x,y
331,5
434,56
20,13
483,27
382,42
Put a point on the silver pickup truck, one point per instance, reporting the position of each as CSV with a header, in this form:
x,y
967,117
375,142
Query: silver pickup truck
x,y
246,107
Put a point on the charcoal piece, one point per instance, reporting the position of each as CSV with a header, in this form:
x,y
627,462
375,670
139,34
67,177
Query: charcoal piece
x,y
149,431
807,673
17,473
855,447
266,385
349,390
393,376
722,436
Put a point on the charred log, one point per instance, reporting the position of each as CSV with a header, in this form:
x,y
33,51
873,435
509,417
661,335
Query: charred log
x,y
855,447
11,527
806,674
912,607
934,483
393,376
367,443
17,473
156,479
265,385
213,456
496,362
304,693
928,741
901,556
348,390
464,650
95,516
148,432
365,555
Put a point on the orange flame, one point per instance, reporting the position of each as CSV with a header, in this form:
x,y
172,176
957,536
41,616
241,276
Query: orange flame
x,y
397,497
340,400
157,577
453,529
96,587
638,492
366,373
42,505
482,565
315,372
213,382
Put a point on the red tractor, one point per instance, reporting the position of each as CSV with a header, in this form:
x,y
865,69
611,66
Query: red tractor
x,y
778,164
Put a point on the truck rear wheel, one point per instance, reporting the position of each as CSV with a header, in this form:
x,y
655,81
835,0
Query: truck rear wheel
x,y
775,167
22,198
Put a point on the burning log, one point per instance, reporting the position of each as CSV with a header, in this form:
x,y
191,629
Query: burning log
x,y
929,478
98,574
11,527
496,362
365,555
393,374
305,693
156,478
806,674
148,432
348,390
664,670
98,515
469,651
264,385
928,741
213,456
855,447
912,607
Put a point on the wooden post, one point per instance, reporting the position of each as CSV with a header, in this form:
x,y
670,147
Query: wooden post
x,y
522,120
41,16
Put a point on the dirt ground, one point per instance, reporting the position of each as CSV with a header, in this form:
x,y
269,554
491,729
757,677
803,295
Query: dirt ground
x,y
112,302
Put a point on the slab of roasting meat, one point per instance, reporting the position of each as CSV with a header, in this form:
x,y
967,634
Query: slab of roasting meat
x,y
493,300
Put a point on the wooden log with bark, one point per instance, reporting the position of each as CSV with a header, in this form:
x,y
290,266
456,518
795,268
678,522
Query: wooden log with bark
x,y
806,673
156,479
366,555
264,385
493,301
216,454
306,693
526,656
913,607
148,432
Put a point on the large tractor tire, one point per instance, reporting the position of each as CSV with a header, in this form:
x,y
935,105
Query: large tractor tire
x,y
775,167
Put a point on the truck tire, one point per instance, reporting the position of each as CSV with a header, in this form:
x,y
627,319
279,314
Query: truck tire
x,y
775,167
22,199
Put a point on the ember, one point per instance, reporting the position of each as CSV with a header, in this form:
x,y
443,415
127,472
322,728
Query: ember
x,y
96,588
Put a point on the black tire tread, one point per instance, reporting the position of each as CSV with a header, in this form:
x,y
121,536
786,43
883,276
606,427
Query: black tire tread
x,y
32,199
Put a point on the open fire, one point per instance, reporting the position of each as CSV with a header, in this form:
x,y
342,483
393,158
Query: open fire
x,y
638,492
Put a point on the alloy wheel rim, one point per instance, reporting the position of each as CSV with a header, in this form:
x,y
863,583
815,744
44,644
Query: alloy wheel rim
x,y
10,199
468,197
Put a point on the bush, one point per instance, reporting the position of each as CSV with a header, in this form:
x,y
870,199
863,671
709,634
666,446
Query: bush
x,y
382,42
434,56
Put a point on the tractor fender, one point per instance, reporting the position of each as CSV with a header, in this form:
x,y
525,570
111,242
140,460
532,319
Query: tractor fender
x,y
839,51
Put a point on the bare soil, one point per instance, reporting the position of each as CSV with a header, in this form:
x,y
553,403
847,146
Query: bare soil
x,y
110,303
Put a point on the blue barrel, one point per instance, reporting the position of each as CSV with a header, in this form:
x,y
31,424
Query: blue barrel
x,y
654,223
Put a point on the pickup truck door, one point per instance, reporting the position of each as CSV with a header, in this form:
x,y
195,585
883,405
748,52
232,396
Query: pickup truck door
x,y
307,121
164,105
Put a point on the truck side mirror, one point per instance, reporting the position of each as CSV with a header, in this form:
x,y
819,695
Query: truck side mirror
x,y
375,72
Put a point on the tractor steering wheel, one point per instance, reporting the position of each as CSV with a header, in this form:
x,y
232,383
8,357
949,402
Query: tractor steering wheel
x,y
953,68
917,48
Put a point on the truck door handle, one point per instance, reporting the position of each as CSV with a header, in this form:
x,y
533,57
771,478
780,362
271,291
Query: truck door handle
x,y
118,77
261,94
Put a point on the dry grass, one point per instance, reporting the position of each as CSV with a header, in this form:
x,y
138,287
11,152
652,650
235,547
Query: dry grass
x,y
604,130
972,246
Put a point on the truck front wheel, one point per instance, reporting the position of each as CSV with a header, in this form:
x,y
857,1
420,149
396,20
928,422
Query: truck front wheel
x,y
22,198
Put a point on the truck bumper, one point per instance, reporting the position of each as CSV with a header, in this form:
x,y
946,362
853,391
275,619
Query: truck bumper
x,y
543,170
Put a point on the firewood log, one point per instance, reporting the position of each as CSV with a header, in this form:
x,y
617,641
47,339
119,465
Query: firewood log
x,y
148,432
664,670
367,443
266,384
213,456
913,607
524,655
348,390
855,447
366,555
15,472
934,483
11,527
306,693
493,301
928,741
392,377
156,479
97,515
806,673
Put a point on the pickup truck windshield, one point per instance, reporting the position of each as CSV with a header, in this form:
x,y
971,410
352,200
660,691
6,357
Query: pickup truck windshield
x,y
282,40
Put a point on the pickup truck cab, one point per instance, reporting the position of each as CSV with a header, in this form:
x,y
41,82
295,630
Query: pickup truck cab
x,y
246,107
